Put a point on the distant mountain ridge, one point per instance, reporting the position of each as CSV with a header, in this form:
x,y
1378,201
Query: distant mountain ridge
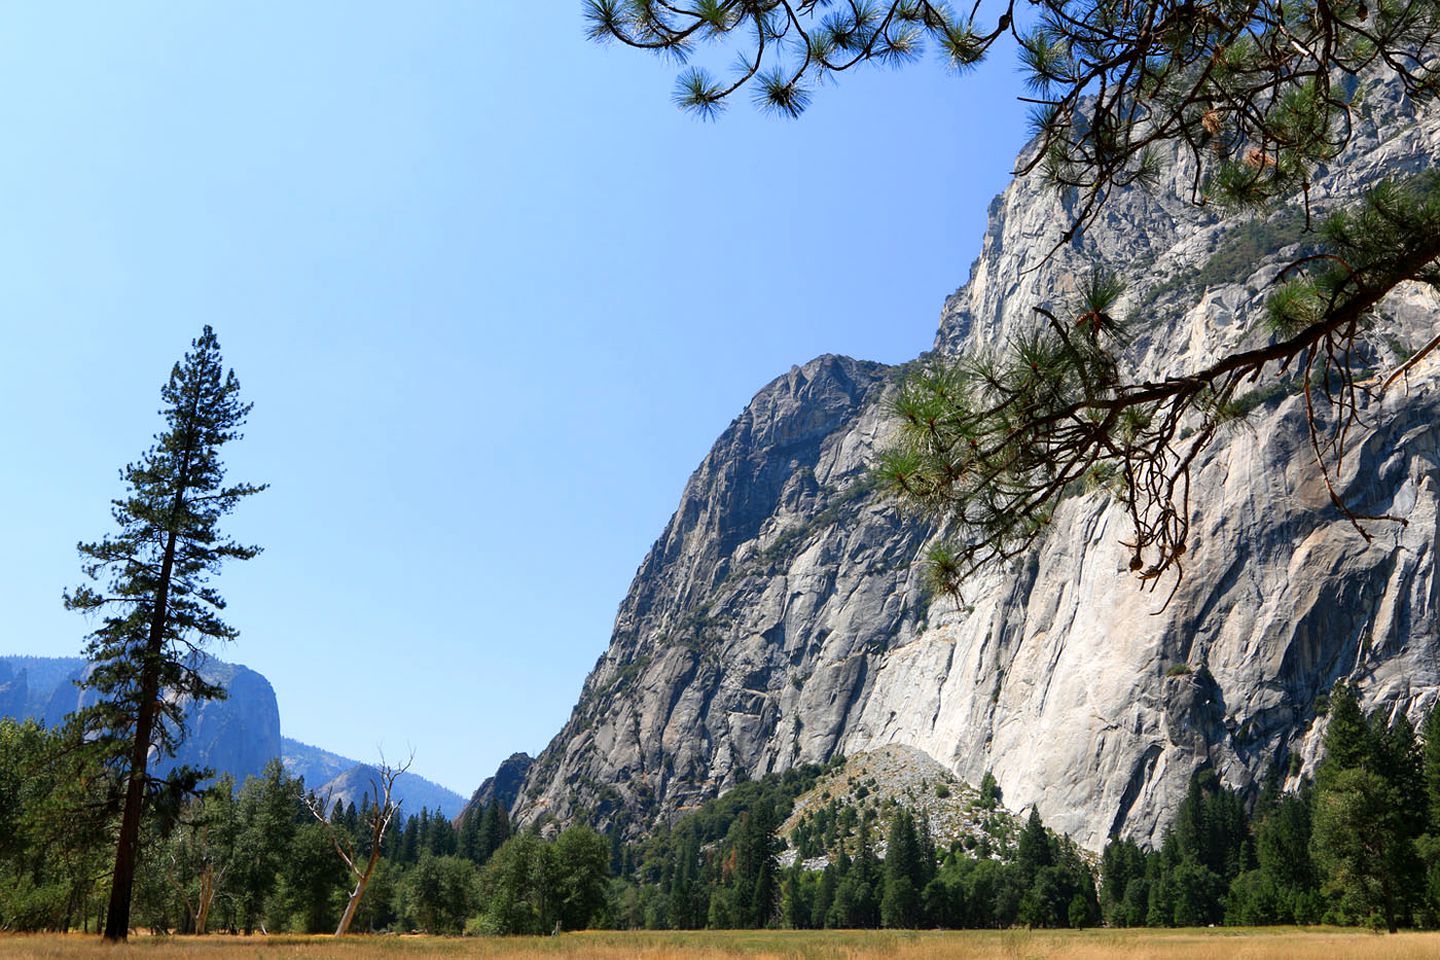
x,y
347,781
238,735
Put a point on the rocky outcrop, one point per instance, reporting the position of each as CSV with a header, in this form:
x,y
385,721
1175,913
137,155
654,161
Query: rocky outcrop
x,y
504,787
238,735
779,617
953,811
749,636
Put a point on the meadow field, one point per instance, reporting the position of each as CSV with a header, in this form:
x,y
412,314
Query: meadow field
x,y
1241,944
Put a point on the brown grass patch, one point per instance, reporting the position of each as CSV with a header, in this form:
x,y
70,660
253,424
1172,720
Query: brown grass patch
x,y
1240,944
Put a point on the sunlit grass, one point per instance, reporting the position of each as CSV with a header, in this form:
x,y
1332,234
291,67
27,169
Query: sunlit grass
x,y
1241,944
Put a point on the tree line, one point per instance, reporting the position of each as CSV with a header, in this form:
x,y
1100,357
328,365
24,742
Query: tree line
x,y
253,857
1357,845
721,867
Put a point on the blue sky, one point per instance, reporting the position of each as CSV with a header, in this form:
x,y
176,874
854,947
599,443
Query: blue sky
x,y
493,298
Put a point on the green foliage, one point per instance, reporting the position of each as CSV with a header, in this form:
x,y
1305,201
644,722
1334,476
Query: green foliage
x,y
516,888
989,791
54,831
311,885
482,831
582,862
1257,95
1360,846
1356,847
1371,809
156,606
438,894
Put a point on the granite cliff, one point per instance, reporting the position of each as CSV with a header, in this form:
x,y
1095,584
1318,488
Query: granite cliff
x,y
779,617
238,735
503,787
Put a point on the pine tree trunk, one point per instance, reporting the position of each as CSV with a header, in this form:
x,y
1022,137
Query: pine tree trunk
x,y
117,917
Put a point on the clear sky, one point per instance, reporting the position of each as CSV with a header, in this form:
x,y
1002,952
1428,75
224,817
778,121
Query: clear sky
x,y
493,298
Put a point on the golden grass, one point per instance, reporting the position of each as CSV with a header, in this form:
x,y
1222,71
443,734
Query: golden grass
x,y
1247,944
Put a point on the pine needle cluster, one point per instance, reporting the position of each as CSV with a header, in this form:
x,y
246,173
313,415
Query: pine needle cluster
x,y
1258,92
993,441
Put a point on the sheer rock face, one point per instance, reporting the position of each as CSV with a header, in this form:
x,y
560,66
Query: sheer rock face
x,y
238,735
779,618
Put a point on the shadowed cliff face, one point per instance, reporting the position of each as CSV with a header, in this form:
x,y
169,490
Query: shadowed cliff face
x,y
238,735
778,619
504,786
747,637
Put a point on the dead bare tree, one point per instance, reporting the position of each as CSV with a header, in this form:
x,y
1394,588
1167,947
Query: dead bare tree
x,y
211,878
381,812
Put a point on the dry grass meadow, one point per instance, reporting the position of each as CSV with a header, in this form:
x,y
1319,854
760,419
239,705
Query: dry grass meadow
x,y
1261,944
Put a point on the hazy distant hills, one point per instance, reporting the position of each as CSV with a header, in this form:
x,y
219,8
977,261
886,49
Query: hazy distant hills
x,y
348,780
238,735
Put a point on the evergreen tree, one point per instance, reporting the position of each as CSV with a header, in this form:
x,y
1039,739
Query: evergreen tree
x,y
905,876
865,872
494,831
267,811
468,839
1122,866
755,873
157,607
1347,735
989,791
688,900
1369,813
1430,764
582,867
795,903
1400,761
824,897
1285,870
1428,844
1359,843
1033,848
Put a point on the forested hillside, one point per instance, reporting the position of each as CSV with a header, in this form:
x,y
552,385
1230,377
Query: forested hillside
x,y
1357,846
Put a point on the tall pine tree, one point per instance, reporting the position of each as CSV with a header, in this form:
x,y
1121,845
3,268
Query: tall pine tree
x,y
156,607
